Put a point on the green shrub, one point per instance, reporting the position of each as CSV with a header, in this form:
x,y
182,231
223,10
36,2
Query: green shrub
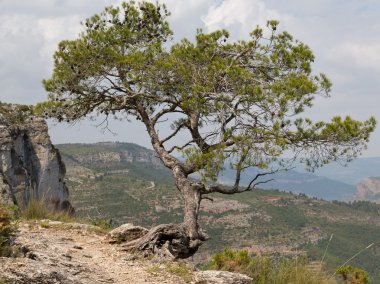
x,y
352,275
230,260
265,270
7,230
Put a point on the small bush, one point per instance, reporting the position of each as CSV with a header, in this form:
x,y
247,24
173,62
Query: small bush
x,y
352,275
265,270
7,230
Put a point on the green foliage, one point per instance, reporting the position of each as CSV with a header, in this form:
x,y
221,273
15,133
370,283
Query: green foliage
x,y
121,39
237,100
231,260
7,230
352,275
265,270
15,114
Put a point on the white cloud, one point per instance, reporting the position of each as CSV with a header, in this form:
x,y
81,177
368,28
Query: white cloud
x,y
344,38
28,42
362,55
180,8
241,16
54,30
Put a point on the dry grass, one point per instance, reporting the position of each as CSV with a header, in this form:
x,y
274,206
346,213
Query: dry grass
x,y
265,270
176,268
181,270
39,210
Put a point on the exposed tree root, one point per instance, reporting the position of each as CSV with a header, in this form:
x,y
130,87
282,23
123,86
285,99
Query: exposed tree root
x,y
169,241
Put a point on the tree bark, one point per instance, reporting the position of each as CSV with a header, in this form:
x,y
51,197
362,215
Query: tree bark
x,y
173,240
192,199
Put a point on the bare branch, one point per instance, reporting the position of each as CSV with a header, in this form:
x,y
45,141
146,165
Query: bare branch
x,y
260,175
260,182
236,189
179,148
175,132
163,112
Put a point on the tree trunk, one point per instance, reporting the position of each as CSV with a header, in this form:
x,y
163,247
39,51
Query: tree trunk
x,y
192,199
175,240
172,241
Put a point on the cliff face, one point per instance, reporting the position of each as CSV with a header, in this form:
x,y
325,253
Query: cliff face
x,y
108,153
368,189
30,167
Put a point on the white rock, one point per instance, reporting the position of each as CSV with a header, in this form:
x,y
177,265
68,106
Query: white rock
x,y
221,277
126,232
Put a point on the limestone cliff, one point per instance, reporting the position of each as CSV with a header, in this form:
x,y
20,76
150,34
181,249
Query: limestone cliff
x,y
30,166
368,189
112,152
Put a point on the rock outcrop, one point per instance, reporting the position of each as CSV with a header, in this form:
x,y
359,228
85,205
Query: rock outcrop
x,y
126,232
221,277
368,189
30,166
115,153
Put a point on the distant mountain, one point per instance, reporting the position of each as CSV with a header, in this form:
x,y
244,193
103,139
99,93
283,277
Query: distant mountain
x,y
369,189
109,155
353,173
331,182
297,182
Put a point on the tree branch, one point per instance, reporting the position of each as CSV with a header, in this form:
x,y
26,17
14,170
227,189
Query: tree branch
x,y
180,147
173,134
236,189
163,112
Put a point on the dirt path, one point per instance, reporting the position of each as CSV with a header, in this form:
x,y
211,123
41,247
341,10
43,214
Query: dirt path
x,y
76,253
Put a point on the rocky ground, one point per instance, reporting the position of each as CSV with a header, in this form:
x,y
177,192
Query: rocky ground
x,y
56,252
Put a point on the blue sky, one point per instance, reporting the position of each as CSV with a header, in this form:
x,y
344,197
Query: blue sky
x,y
344,35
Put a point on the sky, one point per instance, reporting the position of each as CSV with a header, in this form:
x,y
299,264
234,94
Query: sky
x,y
344,35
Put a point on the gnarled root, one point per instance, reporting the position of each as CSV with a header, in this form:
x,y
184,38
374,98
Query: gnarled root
x,y
168,241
